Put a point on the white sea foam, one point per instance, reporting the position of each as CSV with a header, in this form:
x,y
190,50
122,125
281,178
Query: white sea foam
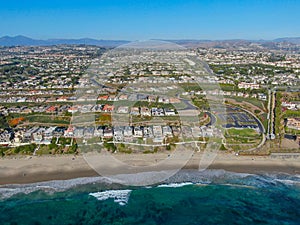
x,y
7,191
181,178
288,181
120,196
284,178
175,185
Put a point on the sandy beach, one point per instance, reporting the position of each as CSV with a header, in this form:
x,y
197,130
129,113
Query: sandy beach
x,y
30,169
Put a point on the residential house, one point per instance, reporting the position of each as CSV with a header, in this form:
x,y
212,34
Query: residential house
x,y
145,111
138,131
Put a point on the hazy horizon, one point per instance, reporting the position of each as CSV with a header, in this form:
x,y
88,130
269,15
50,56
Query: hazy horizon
x,y
143,20
162,39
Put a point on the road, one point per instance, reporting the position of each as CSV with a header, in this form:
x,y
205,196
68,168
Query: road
x,y
213,119
271,115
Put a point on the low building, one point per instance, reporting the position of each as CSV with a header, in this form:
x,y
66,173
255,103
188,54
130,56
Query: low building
x,y
248,85
112,98
176,130
138,131
88,132
98,131
170,112
78,132
293,123
5,137
157,112
73,109
59,131
48,134
118,133
148,132
51,109
167,131
206,131
123,97
123,109
28,134
163,100
158,134
262,96
289,105
128,131
135,111
37,136
145,111
103,98
151,98
108,108
108,132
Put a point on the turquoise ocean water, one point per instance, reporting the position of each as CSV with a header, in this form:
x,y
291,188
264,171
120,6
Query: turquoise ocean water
x,y
190,197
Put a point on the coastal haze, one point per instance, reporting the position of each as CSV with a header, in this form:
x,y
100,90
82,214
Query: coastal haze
x,y
184,116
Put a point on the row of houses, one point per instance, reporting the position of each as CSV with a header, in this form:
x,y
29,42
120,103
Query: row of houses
x,y
88,97
260,96
155,133
136,111
244,85
139,97
36,134
35,109
143,111
291,105
122,133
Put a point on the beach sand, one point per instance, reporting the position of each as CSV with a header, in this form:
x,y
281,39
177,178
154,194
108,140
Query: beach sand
x,y
30,169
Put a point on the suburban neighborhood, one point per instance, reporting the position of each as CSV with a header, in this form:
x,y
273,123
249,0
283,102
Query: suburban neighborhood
x,y
148,99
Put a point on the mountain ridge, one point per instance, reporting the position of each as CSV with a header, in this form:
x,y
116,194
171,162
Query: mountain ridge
x,y
21,40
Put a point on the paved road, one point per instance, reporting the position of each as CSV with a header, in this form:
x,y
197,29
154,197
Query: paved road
x,y
213,119
271,115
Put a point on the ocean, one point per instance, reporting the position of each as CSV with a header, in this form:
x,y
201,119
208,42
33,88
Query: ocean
x,y
189,197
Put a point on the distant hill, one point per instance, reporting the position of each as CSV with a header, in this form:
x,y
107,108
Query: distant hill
x,y
26,41
294,40
19,40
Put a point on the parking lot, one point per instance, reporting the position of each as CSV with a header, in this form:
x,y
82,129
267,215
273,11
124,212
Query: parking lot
x,y
237,118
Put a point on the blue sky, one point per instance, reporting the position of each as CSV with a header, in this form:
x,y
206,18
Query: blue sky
x,y
147,19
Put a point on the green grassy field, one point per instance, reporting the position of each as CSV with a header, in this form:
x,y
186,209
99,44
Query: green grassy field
x,y
242,139
246,132
291,113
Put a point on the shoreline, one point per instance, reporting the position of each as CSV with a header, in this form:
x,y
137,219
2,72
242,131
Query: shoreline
x,y
32,169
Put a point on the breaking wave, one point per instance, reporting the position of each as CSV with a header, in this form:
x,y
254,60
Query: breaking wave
x,y
175,185
180,179
120,196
